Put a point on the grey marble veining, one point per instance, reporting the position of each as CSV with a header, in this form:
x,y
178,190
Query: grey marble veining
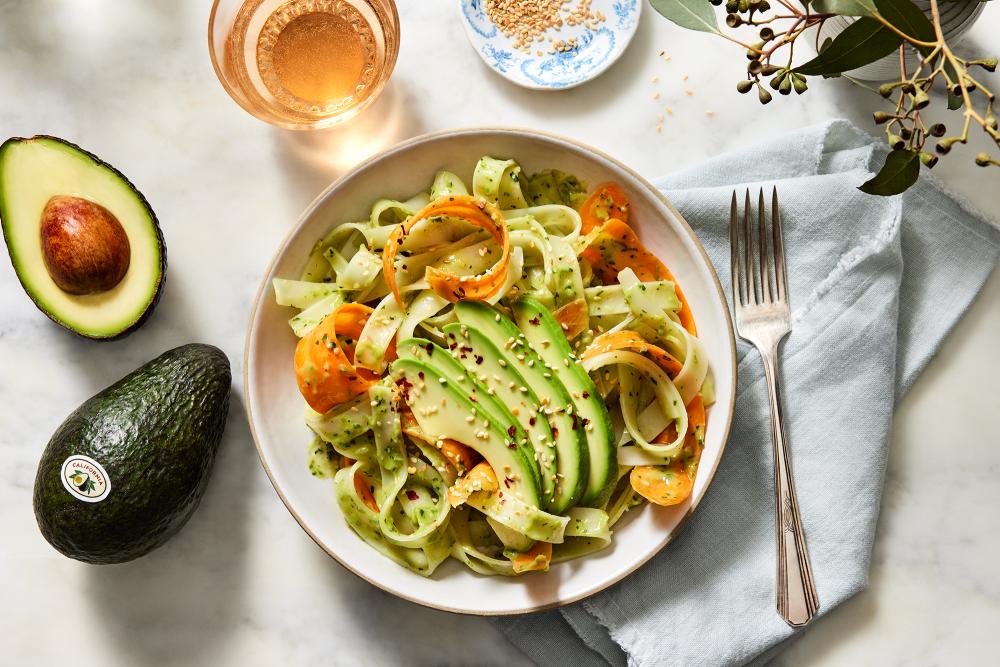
x,y
242,584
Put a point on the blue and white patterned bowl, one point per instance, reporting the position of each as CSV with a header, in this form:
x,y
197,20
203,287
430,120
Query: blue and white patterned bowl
x,y
596,50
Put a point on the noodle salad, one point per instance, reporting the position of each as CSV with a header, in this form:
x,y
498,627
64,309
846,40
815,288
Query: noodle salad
x,y
496,376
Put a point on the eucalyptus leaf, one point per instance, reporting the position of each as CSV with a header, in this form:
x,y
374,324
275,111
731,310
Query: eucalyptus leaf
x,y
899,172
843,7
907,17
863,42
690,14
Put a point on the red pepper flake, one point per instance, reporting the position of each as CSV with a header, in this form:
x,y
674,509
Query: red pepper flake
x,y
511,430
412,495
479,359
535,321
586,394
531,421
420,375
430,348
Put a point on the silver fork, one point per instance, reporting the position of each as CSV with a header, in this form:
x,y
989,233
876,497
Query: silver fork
x,y
760,299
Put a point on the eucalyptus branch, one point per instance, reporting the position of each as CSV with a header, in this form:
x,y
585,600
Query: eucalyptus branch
x,y
883,27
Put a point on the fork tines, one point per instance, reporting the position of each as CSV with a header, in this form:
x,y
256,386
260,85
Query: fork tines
x,y
757,260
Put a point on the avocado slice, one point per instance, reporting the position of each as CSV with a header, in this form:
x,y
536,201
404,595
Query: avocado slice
x,y
148,443
481,360
448,365
493,336
445,409
544,335
84,242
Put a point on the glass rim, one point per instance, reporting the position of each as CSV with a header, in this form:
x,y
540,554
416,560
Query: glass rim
x,y
389,65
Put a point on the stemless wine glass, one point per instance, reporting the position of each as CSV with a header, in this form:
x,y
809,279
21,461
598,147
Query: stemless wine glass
x,y
303,64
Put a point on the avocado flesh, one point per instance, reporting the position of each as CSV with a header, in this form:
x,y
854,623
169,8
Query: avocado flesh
x,y
156,432
441,407
448,366
34,170
544,334
481,359
572,463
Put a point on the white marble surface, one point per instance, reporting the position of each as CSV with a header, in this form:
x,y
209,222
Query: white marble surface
x,y
242,584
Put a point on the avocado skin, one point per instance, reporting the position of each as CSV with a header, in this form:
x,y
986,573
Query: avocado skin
x,y
156,432
156,226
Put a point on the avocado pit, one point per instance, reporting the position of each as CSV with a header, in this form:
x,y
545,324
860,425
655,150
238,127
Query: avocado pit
x,y
85,248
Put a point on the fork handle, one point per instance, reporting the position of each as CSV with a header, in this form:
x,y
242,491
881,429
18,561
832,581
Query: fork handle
x,y
797,601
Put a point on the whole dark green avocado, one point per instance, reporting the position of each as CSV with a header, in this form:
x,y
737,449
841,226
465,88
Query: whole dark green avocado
x,y
156,432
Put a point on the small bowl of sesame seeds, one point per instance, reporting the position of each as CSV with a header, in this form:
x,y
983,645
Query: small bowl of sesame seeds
x,y
550,44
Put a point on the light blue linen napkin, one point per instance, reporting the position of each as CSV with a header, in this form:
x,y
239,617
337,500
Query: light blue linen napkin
x,y
875,285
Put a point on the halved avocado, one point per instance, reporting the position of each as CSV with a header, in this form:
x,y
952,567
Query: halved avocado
x,y
83,240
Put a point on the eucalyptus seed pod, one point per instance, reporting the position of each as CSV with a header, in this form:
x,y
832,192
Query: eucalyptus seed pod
x,y
799,83
744,6
908,87
937,129
732,6
882,117
754,53
733,20
920,99
764,6
988,64
906,133
755,67
785,87
929,159
744,86
716,2
885,90
770,69
778,79
983,159
896,142
763,95
766,33
943,147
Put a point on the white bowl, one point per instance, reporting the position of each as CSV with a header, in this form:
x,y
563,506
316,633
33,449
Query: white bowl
x,y
275,408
